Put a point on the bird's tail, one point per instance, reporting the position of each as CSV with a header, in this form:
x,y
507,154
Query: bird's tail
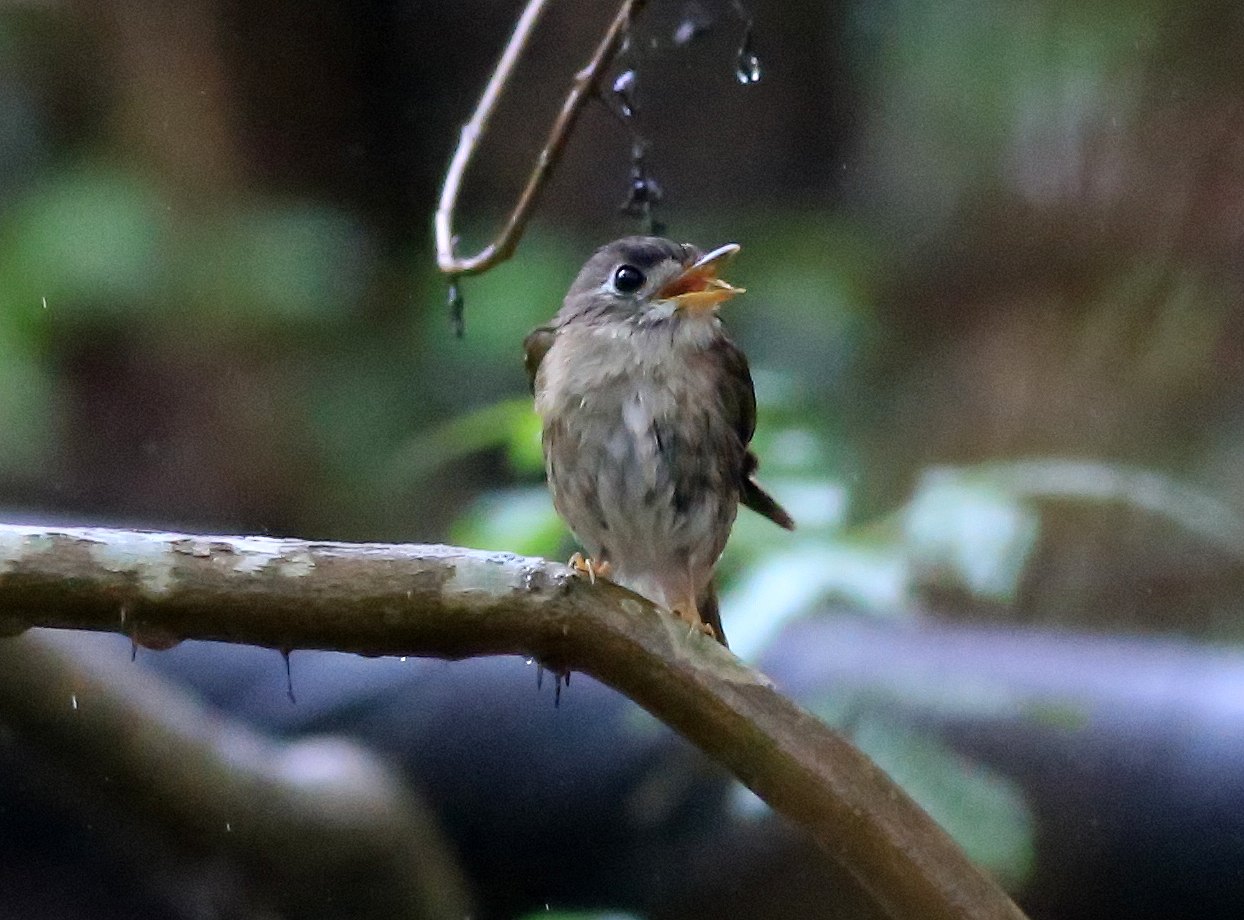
x,y
710,613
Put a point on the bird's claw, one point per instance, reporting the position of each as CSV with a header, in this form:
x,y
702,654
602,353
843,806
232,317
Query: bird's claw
x,y
704,628
691,616
584,565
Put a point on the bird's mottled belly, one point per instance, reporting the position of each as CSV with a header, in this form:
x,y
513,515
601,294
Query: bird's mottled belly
x,y
640,474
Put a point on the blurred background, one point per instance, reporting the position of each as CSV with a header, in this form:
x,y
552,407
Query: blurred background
x,y
993,260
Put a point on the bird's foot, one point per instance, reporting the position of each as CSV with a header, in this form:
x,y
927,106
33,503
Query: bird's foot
x,y
585,565
690,614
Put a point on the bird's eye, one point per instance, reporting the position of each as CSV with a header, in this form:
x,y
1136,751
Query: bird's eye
x,y
627,279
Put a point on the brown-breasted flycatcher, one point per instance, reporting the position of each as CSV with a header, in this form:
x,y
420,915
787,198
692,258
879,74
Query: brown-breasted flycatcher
x,y
648,409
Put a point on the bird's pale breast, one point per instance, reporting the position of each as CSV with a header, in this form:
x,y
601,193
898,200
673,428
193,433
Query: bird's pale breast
x,y
641,462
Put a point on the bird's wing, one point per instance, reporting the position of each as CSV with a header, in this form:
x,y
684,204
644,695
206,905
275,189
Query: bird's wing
x,y
535,347
738,395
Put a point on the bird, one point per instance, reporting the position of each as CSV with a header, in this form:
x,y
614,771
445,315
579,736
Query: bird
x,y
647,411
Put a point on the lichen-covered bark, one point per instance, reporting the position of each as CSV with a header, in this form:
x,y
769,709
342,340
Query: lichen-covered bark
x,y
380,599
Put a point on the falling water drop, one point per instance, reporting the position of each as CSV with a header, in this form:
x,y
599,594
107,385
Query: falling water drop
x,y
73,701
289,677
643,191
539,677
457,308
561,677
747,64
624,93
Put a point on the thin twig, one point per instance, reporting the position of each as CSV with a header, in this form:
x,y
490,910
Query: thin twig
x,y
447,602
585,84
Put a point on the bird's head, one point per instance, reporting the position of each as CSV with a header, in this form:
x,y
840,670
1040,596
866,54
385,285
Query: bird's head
x,y
645,279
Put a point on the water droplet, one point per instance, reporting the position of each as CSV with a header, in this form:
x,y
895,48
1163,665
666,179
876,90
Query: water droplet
x,y
529,661
560,677
289,677
695,22
73,701
154,638
624,93
228,827
457,308
747,65
643,191
402,659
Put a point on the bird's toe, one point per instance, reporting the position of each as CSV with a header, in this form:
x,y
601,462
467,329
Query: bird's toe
x,y
585,565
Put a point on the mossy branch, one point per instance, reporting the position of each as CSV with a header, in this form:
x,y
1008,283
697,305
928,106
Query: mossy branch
x,y
448,602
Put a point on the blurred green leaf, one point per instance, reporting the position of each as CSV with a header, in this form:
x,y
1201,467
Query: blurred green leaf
x,y
293,262
86,242
967,532
502,306
359,395
510,424
512,520
983,810
810,304
791,581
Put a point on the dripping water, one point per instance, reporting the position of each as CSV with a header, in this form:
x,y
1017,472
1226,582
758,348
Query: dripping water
x,y
289,677
746,63
624,93
643,191
457,308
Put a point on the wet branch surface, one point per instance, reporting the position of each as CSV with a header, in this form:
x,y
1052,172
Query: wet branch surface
x,y
448,602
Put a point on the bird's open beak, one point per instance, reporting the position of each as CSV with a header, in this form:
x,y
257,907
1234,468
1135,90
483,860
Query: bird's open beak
x,y
698,288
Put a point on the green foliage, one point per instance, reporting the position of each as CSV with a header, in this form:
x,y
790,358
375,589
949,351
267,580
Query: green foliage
x,y
502,306
295,264
512,520
983,810
88,242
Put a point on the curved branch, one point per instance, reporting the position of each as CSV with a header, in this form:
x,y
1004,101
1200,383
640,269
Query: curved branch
x,y
339,817
447,602
585,83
